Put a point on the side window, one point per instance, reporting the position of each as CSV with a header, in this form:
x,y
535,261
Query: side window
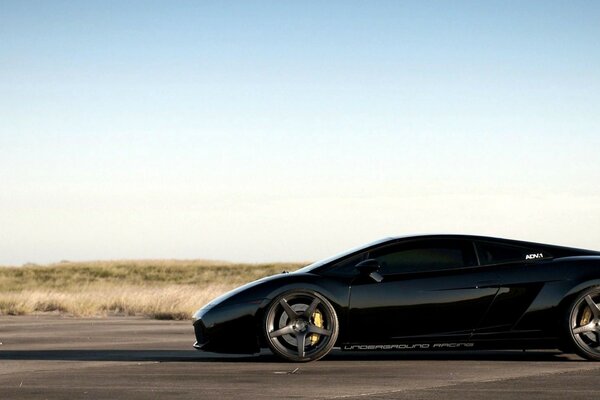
x,y
493,253
346,267
425,256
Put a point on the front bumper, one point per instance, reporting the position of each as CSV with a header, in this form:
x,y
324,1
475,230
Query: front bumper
x,y
231,329
200,333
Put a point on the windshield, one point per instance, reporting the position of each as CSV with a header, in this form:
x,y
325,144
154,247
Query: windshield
x,y
325,261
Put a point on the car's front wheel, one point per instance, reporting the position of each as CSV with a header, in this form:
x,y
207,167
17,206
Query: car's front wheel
x,y
301,326
583,321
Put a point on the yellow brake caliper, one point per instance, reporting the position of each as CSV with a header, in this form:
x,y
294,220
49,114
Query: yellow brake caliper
x,y
586,317
317,318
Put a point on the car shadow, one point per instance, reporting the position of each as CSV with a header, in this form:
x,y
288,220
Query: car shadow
x,y
267,357
481,355
125,355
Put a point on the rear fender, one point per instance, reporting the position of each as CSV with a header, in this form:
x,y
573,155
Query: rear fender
x,y
570,296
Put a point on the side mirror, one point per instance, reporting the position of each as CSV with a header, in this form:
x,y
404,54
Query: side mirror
x,y
370,267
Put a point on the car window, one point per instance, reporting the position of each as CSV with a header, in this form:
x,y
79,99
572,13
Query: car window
x,y
494,253
344,255
346,267
425,256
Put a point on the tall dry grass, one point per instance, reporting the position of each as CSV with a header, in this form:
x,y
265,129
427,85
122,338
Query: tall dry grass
x,y
162,289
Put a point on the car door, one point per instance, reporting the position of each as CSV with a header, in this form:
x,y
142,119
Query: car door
x,y
523,272
431,288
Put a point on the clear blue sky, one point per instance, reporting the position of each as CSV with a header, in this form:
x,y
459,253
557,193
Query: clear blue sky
x,y
279,130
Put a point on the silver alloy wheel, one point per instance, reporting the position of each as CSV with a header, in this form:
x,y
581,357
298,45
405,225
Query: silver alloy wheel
x,y
584,324
301,326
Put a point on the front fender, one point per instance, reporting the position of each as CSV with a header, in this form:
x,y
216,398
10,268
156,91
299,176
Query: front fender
x,y
233,322
336,292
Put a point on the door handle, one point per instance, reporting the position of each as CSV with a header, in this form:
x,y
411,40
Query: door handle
x,y
488,283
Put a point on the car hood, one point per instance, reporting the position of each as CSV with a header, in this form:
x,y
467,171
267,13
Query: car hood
x,y
236,295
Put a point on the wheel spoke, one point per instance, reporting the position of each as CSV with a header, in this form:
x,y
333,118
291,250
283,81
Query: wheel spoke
x,y
318,330
585,328
288,310
286,330
302,325
311,309
301,339
593,306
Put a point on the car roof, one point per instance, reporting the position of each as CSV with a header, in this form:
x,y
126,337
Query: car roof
x,y
563,250
555,251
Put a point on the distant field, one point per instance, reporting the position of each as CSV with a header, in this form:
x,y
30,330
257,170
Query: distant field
x,y
163,289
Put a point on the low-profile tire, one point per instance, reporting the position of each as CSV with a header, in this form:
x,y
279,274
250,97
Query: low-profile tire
x,y
300,326
583,324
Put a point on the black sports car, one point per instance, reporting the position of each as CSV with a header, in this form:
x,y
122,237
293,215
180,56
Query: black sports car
x,y
416,293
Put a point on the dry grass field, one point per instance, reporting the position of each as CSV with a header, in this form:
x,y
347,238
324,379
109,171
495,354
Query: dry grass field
x,y
163,289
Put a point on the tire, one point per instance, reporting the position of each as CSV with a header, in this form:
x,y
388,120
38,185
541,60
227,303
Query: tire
x,y
300,326
582,324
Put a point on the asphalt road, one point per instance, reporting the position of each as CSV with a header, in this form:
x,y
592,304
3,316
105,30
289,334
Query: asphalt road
x,y
52,357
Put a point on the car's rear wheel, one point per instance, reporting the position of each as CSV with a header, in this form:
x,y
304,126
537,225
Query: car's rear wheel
x,y
301,326
583,322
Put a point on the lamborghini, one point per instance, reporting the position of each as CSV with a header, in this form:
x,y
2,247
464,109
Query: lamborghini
x,y
416,293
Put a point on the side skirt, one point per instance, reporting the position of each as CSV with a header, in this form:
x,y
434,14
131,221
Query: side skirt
x,y
541,343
